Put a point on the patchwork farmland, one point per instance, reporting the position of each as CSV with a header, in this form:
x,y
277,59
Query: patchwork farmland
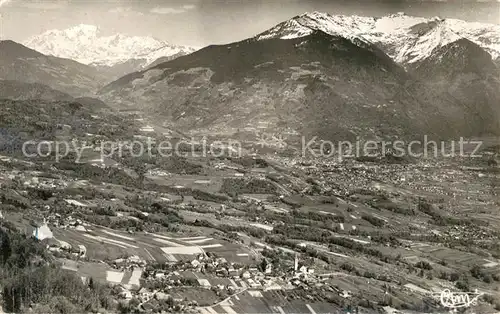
x,y
104,244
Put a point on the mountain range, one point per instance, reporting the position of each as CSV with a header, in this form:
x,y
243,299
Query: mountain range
x,y
406,39
465,71
22,64
337,77
319,84
118,54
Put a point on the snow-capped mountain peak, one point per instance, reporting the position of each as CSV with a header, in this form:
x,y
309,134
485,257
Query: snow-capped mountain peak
x,y
307,23
406,39
83,30
85,44
427,37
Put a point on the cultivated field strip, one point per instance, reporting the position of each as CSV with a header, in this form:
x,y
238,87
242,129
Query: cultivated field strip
x,y
268,302
111,244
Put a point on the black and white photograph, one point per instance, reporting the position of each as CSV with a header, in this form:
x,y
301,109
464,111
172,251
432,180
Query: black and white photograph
x,y
250,156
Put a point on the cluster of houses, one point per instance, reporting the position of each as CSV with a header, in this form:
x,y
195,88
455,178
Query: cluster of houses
x,y
68,222
41,182
42,232
160,280
131,262
157,280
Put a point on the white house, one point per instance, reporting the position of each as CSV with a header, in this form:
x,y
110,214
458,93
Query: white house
x,y
195,263
82,250
41,232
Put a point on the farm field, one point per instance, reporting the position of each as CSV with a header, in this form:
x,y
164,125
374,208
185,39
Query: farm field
x,y
107,244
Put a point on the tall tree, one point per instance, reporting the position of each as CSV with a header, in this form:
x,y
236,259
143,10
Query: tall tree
x,y
5,248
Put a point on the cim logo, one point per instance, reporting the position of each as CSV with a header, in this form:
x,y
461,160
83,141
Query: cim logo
x,y
455,300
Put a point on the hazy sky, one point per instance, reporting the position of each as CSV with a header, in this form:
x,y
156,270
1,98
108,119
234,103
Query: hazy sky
x,y
204,22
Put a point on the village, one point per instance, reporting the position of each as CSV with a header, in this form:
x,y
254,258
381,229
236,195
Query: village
x,y
262,233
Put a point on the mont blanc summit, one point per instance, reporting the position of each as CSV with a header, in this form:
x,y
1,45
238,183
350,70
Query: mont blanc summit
x,y
85,44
